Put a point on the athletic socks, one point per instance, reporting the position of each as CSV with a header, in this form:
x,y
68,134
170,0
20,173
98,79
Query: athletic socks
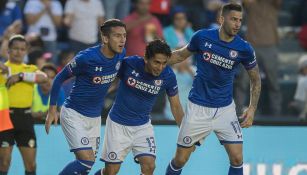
x,y
78,167
172,169
235,170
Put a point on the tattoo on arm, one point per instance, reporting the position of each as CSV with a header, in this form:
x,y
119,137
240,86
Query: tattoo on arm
x,y
255,89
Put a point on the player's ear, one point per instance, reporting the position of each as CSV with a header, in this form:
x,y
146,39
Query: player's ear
x,y
104,39
221,19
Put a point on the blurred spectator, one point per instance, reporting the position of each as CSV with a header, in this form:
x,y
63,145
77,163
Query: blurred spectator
x,y
179,33
184,72
161,9
262,23
41,94
300,97
38,58
35,41
83,18
117,8
142,27
43,17
64,58
9,13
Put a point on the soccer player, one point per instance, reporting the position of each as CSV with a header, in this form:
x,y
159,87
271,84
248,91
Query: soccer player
x,y
128,126
94,68
20,86
211,108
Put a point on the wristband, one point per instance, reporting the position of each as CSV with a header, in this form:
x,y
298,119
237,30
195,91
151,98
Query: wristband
x,y
29,77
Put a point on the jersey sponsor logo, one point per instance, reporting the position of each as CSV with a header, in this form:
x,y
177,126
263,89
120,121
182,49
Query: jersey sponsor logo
x,y
158,82
97,80
85,141
97,68
233,54
218,60
112,155
207,56
104,79
187,140
117,65
131,82
152,89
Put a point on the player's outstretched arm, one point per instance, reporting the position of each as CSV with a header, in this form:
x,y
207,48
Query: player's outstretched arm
x,y
179,55
55,90
176,108
255,83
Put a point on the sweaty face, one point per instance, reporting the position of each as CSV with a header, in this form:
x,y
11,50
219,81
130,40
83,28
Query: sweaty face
x,y
117,39
156,64
17,51
232,22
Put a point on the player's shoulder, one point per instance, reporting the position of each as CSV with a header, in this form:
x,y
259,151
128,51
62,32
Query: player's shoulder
x,y
132,59
207,33
168,73
243,44
88,54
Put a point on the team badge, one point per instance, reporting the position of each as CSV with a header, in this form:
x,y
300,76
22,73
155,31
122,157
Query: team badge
x,y
233,54
131,81
117,65
187,140
112,155
85,141
158,82
97,80
207,56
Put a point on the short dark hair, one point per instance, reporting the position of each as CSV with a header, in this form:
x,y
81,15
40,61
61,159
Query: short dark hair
x,y
157,46
105,28
49,66
16,38
231,6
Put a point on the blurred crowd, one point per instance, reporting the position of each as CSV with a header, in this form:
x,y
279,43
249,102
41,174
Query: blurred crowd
x,y
58,29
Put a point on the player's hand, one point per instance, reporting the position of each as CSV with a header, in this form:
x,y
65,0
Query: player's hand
x,y
52,116
248,117
12,80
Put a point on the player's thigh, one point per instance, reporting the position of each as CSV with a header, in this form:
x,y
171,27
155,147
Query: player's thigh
x,y
227,127
76,129
144,143
117,142
196,125
94,133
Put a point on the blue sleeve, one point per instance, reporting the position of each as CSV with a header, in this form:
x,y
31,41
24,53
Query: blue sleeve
x,y
77,65
172,87
61,98
57,82
120,72
193,45
249,60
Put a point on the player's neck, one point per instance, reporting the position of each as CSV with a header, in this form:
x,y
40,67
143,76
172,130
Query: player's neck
x,y
224,36
107,52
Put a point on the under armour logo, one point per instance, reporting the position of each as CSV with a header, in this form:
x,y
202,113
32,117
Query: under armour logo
x,y
208,45
239,136
98,69
135,73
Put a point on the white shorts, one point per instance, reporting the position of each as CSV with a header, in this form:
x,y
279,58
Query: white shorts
x,y
200,121
81,132
119,140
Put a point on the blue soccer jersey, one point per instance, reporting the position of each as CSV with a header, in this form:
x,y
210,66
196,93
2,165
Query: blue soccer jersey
x,y
138,91
94,75
217,63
